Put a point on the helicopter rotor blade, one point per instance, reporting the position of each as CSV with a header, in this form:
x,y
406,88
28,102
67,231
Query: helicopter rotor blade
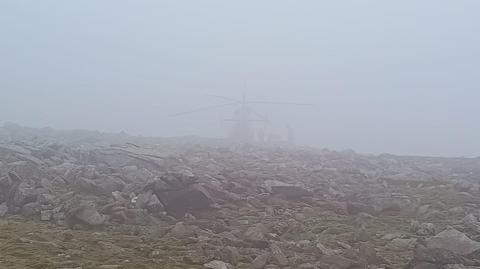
x,y
260,116
280,103
223,97
203,109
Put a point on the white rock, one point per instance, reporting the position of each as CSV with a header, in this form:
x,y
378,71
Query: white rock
x,y
217,265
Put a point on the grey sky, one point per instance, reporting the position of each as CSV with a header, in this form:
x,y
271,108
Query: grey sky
x,y
386,76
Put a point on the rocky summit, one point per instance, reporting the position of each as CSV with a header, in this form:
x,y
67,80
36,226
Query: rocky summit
x,y
81,199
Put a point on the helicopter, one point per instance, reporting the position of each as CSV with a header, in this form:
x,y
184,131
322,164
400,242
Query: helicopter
x,y
248,125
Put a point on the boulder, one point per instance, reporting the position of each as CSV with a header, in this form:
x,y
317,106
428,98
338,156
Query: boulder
x,y
217,265
368,255
180,176
336,261
45,199
391,236
137,217
24,194
393,204
87,215
422,210
3,209
14,178
472,225
5,183
176,178
401,244
142,199
110,184
229,254
154,205
148,200
438,256
423,229
182,231
435,258
190,199
260,261
456,210
459,266
89,186
324,250
454,241
256,236
354,208
360,235
277,255
46,215
117,195
285,189
31,209
47,184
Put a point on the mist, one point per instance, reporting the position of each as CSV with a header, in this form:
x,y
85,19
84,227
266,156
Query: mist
x,y
396,77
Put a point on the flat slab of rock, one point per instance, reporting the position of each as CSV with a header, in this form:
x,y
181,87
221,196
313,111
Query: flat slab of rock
x,y
217,265
454,241
193,198
285,189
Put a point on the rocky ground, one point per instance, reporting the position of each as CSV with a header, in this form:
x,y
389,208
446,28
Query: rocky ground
x,y
78,199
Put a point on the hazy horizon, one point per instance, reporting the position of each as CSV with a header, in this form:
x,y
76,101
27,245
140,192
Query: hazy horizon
x,y
394,77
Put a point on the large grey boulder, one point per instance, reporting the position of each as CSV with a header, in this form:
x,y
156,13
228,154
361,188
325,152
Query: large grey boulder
x,y
182,231
31,209
285,189
142,199
3,209
24,194
110,184
436,258
86,215
154,205
260,261
176,178
454,241
472,225
87,185
148,200
187,200
180,176
45,199
256,236
5,183
229,254
401,244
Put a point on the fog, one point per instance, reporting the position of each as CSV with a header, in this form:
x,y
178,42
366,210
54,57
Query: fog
x,y
384,76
